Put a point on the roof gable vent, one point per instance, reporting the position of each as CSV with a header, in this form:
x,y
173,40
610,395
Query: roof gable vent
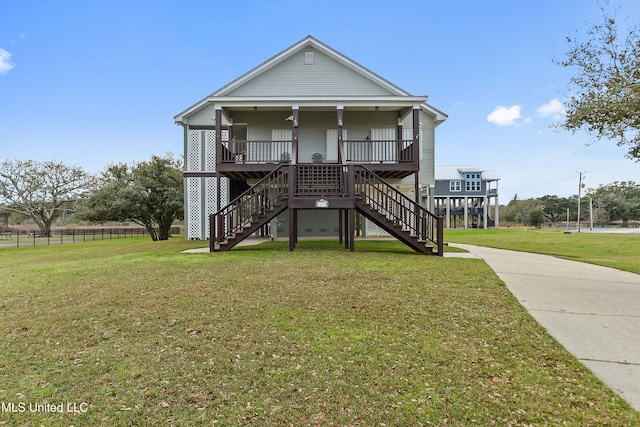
x,y
308,58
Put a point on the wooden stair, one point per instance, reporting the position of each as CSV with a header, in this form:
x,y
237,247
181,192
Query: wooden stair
x,y
397,214
364,191
261,220
250,211
395,229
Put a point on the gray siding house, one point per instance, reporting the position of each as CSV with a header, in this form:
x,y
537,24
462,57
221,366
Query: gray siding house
x,y
312,123
464,196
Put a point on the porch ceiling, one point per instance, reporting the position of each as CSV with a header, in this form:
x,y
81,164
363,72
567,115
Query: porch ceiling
x,y
246,172
371,108
329,102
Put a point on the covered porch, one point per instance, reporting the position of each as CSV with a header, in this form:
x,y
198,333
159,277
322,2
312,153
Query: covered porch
x,y
253,137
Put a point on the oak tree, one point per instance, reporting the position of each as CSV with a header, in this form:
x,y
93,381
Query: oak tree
x,y
145,193
620,200
604,90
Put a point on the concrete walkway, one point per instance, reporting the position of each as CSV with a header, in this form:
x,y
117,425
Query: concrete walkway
x,y
246,242
594,312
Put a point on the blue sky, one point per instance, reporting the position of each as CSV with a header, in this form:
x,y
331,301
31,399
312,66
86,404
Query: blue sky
x,y
90,83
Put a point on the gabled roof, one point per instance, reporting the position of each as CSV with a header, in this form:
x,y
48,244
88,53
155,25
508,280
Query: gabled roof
x,y
448,173
305,43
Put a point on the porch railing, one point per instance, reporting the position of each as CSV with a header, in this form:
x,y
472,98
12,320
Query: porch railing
x,y
379,151
269,196
256,152
355,151
459,211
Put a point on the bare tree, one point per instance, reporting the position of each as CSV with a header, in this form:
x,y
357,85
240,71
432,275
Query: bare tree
x,y
41,190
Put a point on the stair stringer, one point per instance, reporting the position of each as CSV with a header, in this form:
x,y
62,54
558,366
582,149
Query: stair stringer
x,y
252,228
397,214
395,230
249,211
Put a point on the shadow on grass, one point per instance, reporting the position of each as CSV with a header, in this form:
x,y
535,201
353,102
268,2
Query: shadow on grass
x,y
360,246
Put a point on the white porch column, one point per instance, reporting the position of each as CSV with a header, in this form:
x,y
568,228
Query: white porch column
x,y
448,207
485,211
466,212
432,190
497,207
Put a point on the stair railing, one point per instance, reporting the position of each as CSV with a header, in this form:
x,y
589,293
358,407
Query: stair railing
x,y
246,208
398,208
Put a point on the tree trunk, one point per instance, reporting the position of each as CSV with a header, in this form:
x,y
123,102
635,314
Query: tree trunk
x,y
164,232
44,224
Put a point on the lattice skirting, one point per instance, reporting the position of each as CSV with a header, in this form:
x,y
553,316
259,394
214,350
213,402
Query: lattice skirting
x,y
201,201
373,230
201,194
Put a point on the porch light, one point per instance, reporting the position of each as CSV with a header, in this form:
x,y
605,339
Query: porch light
x,y
340,122
292,119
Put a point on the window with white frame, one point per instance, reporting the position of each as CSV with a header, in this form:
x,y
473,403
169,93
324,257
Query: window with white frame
x,y
455,186
472,182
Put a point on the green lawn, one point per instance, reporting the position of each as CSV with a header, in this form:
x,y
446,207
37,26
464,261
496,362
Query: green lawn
x,y
608,249
136,333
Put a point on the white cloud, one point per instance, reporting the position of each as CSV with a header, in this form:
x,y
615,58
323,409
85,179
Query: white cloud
x,y
5,63
20,37
459,105
505,116
552,108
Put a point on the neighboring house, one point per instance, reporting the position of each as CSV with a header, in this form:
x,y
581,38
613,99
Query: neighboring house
x,y
297,145
464,195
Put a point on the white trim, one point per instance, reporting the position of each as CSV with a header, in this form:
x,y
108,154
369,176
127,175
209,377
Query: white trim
x,y
402,98
316,101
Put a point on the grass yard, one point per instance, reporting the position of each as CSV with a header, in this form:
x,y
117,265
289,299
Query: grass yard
x,y
619,251
132,332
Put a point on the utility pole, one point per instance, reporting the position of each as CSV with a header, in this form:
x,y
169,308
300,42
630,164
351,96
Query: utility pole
x,y
580,185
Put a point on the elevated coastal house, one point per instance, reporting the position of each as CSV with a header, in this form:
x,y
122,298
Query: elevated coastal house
x,y
464,196
299,144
